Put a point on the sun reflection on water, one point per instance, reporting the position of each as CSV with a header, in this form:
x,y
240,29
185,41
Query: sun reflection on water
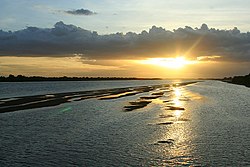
x,y
180,153
178,113
178,93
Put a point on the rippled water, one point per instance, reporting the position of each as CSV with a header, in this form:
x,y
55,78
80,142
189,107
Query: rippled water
x,y
212,130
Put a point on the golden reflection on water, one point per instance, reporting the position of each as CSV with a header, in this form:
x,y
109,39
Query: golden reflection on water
x,y
158,101
178,93
176,101
177,114
181,150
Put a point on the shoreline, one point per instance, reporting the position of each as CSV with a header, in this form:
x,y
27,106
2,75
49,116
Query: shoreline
x,y
238,80
242,84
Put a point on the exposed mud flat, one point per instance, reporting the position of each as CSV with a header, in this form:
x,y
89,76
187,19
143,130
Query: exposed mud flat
x,y
168,141
175,108
158,93
165,116
136,105
38,101
150,97
165,123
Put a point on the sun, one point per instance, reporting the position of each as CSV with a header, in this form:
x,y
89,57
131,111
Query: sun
x,y
174,63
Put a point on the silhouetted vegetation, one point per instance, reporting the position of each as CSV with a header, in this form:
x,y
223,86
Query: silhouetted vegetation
x,y
21,78
240,80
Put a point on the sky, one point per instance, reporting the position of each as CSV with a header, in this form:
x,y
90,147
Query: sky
x,y
138,38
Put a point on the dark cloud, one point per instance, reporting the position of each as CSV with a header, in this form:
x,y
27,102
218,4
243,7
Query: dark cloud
x,y
67,40
80,12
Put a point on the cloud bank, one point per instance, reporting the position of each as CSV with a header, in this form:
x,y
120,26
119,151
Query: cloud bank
x,y
85,12
69,40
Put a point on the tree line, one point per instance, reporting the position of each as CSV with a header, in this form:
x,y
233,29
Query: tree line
x,y
240,80
21,78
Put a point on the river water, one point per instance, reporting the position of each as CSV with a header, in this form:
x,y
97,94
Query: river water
x,y
212,127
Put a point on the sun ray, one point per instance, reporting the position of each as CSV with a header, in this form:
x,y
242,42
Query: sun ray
x,y
194,45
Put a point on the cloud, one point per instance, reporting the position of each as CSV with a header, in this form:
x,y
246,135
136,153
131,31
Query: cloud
x,y
67,40
85,12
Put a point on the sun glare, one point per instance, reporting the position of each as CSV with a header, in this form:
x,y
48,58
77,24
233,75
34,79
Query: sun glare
x,y
174,63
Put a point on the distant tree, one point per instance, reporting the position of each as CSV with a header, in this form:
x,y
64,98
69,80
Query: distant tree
x,y
11,76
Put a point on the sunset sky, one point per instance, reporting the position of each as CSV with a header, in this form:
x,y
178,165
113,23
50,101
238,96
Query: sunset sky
x,y
138,38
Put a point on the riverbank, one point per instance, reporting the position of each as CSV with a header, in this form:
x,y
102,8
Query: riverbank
x,y
239,80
